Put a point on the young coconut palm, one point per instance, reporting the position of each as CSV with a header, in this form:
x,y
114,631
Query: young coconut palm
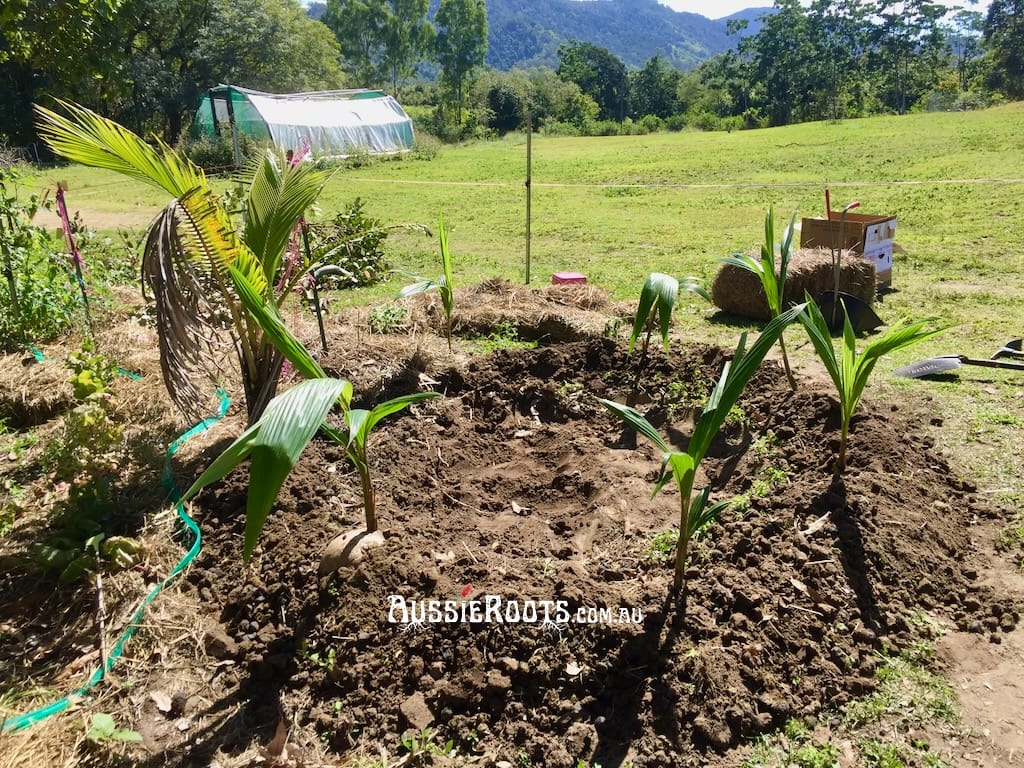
x,y
444,285
196,259
774,285
848,370
657,302
694,513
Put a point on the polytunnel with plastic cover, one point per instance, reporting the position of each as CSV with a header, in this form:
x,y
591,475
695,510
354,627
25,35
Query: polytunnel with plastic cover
x,y
328,123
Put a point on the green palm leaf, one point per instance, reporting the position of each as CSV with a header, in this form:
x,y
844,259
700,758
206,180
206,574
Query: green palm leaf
x,y
277,200
274,444
658,297
87,138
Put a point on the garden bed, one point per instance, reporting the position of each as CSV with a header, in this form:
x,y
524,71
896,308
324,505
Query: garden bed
x,y
519,485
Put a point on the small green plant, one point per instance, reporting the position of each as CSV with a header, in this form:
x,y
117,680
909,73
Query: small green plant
x,y
103,729
849,370
444,285
387,318
880,754
773,284
421,747
276,440
504,335
354,242
662,545
657,302
696,513
92,371
36,294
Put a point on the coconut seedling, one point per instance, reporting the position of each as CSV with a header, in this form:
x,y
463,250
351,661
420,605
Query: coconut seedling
x,y
444,285
773,283
657,302
196,256
290,421
849,370
695,511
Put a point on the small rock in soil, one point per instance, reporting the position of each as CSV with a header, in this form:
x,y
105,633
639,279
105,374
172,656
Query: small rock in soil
x,y
219,644
416,712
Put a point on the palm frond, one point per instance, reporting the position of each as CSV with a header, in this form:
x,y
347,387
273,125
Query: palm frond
x,y
90,139
276,201
192,329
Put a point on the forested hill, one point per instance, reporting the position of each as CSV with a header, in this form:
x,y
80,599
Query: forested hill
x,y
525,33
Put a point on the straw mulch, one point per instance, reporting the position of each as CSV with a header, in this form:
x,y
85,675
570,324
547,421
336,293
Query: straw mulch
x,y
739,292
550,313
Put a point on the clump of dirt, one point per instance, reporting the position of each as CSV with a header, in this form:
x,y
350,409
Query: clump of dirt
x,y
518,489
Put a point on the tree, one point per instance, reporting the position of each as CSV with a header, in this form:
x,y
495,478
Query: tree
x,y
599,73
965,37
652,90
1004,42
460,46
46,47
909,48
358,26
407,38
838,33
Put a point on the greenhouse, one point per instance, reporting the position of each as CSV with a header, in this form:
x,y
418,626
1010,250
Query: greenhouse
x,y
331,123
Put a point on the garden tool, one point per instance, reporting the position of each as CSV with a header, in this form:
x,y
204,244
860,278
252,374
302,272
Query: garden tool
x,y
1010,349
943,363
862,316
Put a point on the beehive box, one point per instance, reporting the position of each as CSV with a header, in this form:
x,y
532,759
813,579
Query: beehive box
x,y
869,235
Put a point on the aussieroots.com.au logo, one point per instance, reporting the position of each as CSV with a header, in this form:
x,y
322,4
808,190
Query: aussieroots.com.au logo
x,y
414,614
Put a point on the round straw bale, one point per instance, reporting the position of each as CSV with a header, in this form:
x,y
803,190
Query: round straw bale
x,y
739,291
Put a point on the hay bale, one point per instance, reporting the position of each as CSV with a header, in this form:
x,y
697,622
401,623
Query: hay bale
x,y
739,292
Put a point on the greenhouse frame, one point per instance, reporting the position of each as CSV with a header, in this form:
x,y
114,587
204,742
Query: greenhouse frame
x,y
321,123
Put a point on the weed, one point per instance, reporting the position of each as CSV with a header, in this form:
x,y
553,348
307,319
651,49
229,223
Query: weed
x,y
421,747
104,729
908,692
504,335
880,754
662,546
388,318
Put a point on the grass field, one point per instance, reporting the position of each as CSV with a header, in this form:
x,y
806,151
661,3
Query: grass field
x,y
617,208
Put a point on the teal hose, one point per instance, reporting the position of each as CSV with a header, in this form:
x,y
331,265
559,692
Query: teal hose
x,y
30,718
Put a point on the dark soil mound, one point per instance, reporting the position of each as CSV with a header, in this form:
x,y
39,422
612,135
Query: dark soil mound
x,y
519,486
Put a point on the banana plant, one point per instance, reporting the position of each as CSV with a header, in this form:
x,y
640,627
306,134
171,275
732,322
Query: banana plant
x,y
197,260
849,370
444,285
657,302
695,512
774,285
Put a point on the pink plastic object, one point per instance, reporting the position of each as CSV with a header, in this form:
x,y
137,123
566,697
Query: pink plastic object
x,y
568,278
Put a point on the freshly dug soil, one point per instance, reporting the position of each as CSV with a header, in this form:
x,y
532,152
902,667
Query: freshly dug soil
x,y
517,484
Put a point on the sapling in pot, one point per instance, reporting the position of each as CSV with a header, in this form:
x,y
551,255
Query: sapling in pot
x,y
695,513
850,371
773,284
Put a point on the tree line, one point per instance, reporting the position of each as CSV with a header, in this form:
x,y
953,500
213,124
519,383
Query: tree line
x,y
146,63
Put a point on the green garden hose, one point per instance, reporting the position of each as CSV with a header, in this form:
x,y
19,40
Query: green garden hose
x,y
30,718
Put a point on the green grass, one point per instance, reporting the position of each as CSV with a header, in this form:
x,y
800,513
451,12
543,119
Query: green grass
x,y
619,208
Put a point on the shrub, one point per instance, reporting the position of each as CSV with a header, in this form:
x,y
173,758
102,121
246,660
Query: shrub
x,y
353,241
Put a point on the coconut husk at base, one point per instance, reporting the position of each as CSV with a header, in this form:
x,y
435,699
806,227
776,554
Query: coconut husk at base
x,y
739,292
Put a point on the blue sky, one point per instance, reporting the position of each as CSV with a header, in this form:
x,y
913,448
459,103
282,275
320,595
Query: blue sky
x,y
716,9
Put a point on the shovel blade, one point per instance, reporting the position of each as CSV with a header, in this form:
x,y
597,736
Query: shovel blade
x,y
929,367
